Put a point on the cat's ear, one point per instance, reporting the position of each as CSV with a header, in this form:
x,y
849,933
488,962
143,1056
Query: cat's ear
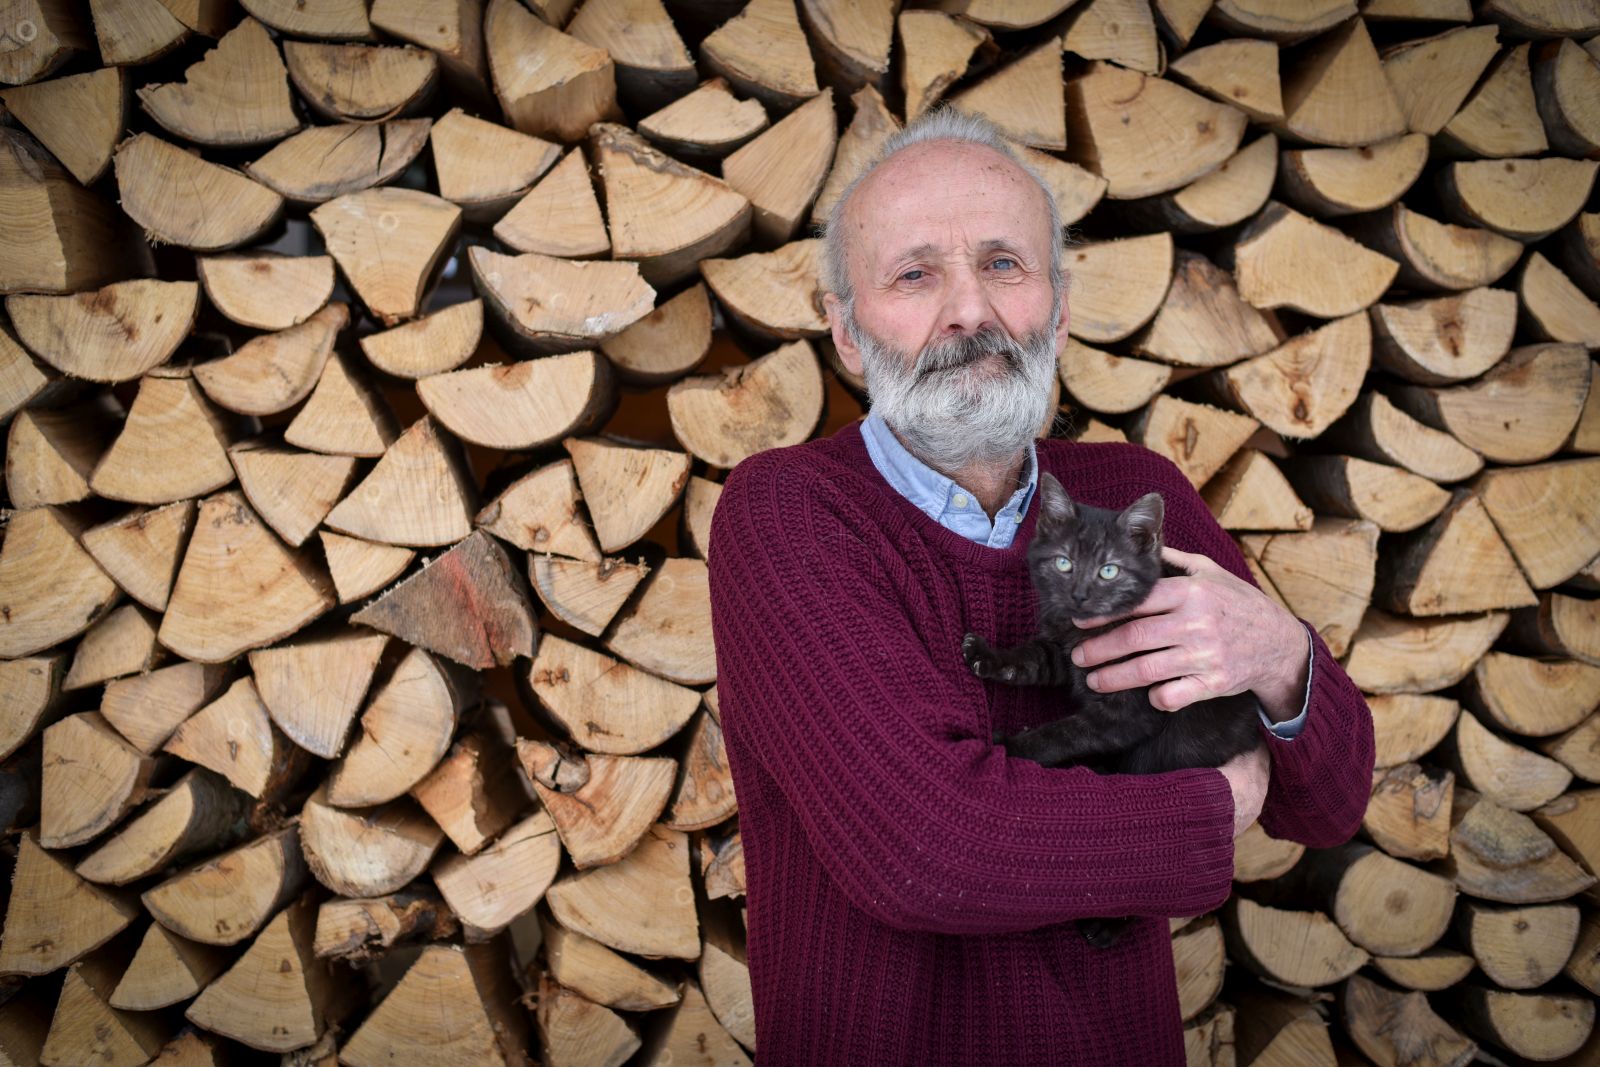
x,y
1142,521
1055,506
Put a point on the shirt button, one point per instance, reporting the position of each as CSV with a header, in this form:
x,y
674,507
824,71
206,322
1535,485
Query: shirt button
x,y
959,500
1016,516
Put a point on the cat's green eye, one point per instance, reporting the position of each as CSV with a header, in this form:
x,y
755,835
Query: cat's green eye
x,y
1063,564
1110,571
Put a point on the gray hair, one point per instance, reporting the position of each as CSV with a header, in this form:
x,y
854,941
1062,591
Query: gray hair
x,y
943,123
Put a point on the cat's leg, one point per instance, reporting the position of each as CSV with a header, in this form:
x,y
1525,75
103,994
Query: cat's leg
x,y
1035,662
1103,933
1074,739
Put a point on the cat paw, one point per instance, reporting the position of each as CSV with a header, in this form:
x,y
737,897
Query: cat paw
x,y
1102,933
979,656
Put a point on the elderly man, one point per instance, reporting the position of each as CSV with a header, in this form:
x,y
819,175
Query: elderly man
x,y
912,889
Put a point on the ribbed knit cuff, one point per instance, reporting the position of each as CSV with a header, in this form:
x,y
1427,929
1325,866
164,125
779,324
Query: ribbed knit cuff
x,y
1208,869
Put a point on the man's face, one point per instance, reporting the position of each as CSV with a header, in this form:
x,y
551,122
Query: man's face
x,y
956,323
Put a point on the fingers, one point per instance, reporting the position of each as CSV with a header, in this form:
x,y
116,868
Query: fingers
x,y
1144,671
1165,595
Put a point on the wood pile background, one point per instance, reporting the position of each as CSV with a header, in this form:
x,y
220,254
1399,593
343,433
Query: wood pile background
x,y
370,372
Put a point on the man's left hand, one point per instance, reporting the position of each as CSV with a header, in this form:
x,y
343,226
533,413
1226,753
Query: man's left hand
x,y
1201,635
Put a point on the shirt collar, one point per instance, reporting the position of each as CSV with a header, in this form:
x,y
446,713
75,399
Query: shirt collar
x,y
937,495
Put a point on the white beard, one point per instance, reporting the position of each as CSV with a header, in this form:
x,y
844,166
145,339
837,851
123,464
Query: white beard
x,y
960,403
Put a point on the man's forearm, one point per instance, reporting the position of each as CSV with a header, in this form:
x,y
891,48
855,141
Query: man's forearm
x,y
1283,696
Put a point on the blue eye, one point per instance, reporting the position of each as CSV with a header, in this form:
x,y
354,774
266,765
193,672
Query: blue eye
x,y
1110,571
912,275
1006,260
1063,564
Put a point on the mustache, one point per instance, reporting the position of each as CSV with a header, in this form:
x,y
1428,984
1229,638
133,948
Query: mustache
x,y
939,356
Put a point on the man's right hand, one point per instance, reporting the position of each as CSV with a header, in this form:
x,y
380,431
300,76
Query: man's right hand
x,y
1247,775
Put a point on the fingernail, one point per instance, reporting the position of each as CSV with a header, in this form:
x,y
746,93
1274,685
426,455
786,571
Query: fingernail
x,y
1094,681
1077,655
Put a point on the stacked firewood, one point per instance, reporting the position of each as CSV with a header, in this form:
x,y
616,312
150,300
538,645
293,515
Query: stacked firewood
x,y
371,376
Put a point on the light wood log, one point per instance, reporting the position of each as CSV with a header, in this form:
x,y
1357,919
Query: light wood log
x,y
1376,430
703,795
78,117
1406,726
1454,565
1273,1028
1501,770
147,708
1437,255
1022,98
1445,340
1299,948
936,48
773,295
503,880
764,53
1546,515
870,126
1555,309
87,1029
1524,199
367,853
291,490
1564,626
141,550
582,594
1325,575
182,199
667,629
266,290
1300,387
1501,855
172,446
1519,948
388,243
667,343
51,455
1428,972
340,20
601,805
574,1030
30,698
274,372
1144,135
74,239
604,704
1393,498
1532,697
1242,72
524,405
122,643
1578,749
1198,956
1105,382
1500,118
1329,182
690,1031
1584,966
1271,249
1203,322
1431,76
1391,654
1392,1028
1520,411
453,30
235,737
1536,1026
419,494
23,380
1250,493
589,968
226,899
115,334
1335,92
363,930
1382,904
405,732
238,94
1408,815
1523,19
1570,820
89,779
454,1005
1226,196
572,87
199,813
542,304
313,688
1117,286
1208,1038
1579,250
1280,22
346,415
539,512
642,904
628,490
1199,438
1566,80
324,162
782,170
53,917
705,124
166,970
1258,857
558,217
722,867
772,401
433,344
665,216
473,793
653,66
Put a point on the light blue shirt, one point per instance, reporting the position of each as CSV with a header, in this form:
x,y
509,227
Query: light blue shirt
x,y
957,510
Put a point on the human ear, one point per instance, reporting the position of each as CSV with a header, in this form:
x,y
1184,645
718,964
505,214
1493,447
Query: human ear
x,y
849,354
1064,319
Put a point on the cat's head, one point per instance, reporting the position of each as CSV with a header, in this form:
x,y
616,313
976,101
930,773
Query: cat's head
x,y
1089,561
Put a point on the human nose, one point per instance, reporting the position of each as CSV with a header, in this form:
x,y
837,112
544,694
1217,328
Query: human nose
x,y
966,305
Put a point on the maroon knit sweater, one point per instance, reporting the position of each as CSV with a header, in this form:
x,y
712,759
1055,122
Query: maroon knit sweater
x,y
912,888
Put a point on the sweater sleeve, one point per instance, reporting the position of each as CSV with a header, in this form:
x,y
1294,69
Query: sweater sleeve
x,y
1322,779
827,689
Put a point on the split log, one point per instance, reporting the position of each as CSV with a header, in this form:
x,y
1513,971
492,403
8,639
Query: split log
x,y
1578,749
1584,966
1329,182
525,405
140,551
1437,255
1408,815
89,779
601,805
642,904
574,1030
503,880
1208,1039
452,30
936,48
419,494
50,587
341,20
266,290
1501,855
1454,565
122,643
628,490
173,445
388,243
706,124
184,200
558,217
1250,493
690,1030
1532,697
1546,515
367,853
77,239
1146,136
87,1029
1524,199
539,512
1407,726
1226,196
346,416
703,795
226,899
1579,249
774,400
1007,14
1335,92
782,171
871,125
763,52
1300,387
238,94
1523,19
484,167
604,704
664,215
78,117
722,867
1199,438
1280,22
473,794
51,455
432,344
653,66
1570,820
1534,1026
22,379
468,604
1449,339
571,88
235,737
274,372
1105,382
114,334
1512,776
1199,959
773,295
1242,72
667,343
454,1005
324,162
1202,321
1115,30
583,594
1564,626
543,304
1022,98
667,629
725,977
405,732
30,699
1391,654
1375,429
313,688
278,996
1520,411
1383,905
1519,948
166,970
1297,948
199,813
1117,286
1428,972
53,917
291,490
587,967
1431,76
1393,1028
1553,308
1394,499
362,930
1270,248
1566,80
1501,116
1325,574
1258,857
